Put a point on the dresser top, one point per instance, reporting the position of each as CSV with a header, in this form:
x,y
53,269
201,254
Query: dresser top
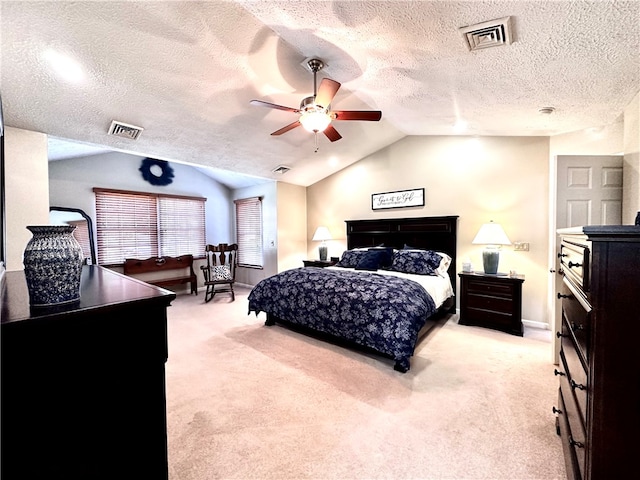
x,y
604,232
100,289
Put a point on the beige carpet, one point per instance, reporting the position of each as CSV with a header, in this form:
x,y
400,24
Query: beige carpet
x,y
245,401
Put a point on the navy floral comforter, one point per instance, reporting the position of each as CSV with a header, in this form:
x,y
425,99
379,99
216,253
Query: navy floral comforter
x,y
374,310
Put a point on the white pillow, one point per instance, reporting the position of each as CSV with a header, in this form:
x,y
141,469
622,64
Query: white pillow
x,y
444,264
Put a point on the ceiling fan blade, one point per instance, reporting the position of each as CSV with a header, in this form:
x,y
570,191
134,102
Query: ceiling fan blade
x,y
273,105
332,134
372,115
291,126
326,92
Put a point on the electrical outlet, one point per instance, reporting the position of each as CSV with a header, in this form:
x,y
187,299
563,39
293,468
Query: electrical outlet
x,y
521,246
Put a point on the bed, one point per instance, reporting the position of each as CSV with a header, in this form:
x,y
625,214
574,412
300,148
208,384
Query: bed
x,y
393,283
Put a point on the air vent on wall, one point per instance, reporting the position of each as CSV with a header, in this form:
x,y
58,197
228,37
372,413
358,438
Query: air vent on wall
x,y
281,169
488,34
125,130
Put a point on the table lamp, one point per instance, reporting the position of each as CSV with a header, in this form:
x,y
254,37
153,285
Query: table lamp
x,y
492,235
322,235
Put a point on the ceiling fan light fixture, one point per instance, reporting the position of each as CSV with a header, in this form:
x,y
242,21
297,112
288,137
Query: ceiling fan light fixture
x,y
315,121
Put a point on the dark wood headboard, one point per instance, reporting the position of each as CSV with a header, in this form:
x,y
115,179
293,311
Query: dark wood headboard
x,y
432,233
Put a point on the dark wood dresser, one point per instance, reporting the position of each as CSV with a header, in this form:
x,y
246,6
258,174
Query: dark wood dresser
x,y
598,411
83,385
493,301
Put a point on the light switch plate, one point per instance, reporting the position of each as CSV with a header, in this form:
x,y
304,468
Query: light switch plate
x,y
521,246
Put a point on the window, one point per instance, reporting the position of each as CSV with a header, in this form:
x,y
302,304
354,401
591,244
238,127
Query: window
x,y
81,234
143,225
249,232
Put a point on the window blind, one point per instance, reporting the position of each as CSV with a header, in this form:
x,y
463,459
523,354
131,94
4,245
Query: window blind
x,y
181,226
81,234
249,231
143,225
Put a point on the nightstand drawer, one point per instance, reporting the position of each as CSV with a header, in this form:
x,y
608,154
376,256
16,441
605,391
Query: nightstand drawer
x,y
491,318
485,302
318,263
490,288
493,301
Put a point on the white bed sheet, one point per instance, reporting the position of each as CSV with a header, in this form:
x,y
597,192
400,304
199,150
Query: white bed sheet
x,y
437,286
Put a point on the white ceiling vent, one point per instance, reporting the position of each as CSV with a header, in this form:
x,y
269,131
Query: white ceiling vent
x,y
488,34
281,169
125,130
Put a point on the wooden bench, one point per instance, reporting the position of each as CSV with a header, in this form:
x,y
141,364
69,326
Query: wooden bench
x,y
173,268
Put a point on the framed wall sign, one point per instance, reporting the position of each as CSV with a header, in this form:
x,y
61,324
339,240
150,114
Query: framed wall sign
x,y
399,199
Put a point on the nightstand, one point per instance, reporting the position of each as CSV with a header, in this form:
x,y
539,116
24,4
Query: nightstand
x,y
318,263
492,301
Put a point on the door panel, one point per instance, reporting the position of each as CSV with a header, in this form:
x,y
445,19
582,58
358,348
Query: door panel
x,y
588,192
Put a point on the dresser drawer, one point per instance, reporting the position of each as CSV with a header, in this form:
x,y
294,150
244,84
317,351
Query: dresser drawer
x,y
573,436
577,311
574,260
576,374
488,288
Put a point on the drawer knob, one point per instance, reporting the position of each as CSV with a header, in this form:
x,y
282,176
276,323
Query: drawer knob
x,y
557,372
579,386
560,335
571,264
556,410
560,295
572,442
560,255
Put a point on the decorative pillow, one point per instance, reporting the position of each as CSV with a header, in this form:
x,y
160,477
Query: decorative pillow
x,y
420,262
374,259
350,258
221,272
369,261
443,268
385,256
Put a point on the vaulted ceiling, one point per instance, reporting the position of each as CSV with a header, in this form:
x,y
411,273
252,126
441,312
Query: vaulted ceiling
x,y
186,72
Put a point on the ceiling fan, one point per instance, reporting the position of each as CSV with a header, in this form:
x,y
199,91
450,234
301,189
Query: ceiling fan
x,y
315,113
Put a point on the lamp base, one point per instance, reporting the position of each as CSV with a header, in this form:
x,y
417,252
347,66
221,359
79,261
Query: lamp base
x,y
490,259
322,251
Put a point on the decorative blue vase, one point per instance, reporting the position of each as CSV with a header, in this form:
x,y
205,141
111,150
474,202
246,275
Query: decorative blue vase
x,y
52,265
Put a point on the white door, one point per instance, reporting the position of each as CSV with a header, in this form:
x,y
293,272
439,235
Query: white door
x,y
588,192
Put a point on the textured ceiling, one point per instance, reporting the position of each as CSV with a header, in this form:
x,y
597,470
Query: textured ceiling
x,y
186,71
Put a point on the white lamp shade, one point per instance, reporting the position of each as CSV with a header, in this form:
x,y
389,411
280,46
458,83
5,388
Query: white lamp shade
x,y
491,234
322,234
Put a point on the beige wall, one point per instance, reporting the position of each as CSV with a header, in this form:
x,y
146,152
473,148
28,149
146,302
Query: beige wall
x,y
504,179
631,169
292,221
26,189
604,140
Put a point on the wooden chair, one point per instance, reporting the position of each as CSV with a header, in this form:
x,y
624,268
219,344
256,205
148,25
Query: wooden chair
x,y
220,271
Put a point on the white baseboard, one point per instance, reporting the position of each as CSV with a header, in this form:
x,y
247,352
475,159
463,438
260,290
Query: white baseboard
x,y
536,324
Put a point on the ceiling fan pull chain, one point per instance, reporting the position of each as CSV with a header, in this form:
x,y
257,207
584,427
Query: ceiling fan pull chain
x,y
315,134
